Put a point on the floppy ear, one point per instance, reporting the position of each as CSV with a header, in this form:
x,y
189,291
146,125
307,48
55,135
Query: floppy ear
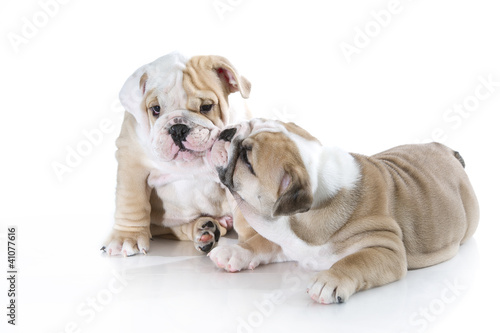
x,y
230,77
132,93
295,194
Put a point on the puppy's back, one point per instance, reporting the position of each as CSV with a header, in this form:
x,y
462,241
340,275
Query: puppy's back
x,y
430,197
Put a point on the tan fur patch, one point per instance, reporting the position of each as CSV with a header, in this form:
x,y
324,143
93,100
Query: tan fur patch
x,y
293,128
280,158
142,82
426,191
203,85
319,224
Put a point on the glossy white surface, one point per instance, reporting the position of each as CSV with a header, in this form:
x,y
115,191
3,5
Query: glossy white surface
x,y
66,284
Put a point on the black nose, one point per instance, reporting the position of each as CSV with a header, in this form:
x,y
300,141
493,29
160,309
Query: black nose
x,y
179,132
227,134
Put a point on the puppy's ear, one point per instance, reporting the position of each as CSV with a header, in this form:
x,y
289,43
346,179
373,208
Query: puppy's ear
x,y
230,77
132,94
142,83
295,194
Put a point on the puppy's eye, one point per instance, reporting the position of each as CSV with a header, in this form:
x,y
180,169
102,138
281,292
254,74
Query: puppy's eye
x,y
155,110
244,159
204,109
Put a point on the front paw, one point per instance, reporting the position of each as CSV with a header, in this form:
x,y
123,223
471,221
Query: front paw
x,y
127,243
219,153
330,287
207,235
233,258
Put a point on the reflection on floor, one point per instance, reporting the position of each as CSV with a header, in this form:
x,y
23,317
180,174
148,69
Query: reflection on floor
x,y
176,289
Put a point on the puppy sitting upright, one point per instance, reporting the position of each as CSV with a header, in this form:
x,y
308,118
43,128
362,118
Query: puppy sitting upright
x,y
363,221
176,107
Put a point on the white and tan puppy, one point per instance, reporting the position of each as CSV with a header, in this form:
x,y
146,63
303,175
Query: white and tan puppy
x,y
362,221
175,109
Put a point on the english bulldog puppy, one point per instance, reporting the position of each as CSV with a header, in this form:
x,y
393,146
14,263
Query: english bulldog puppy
x,y
362,221
175,107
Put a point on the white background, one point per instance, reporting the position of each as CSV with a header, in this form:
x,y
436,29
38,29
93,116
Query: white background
x,y
63,78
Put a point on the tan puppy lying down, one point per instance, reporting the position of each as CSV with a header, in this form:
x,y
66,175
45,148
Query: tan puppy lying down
x,y
362,221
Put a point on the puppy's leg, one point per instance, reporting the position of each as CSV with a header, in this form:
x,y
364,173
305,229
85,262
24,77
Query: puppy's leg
x,y
251,251
131,233
204,231
243,229
254,252
381,262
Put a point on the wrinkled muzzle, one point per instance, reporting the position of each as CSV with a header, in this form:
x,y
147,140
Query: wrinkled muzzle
x,y
225,151
183,136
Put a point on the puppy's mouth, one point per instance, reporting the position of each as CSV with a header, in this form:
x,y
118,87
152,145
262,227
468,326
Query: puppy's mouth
x,y
228,134
184,140
224,155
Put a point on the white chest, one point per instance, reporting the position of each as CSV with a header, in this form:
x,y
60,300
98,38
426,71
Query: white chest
x,y
186,197
315,257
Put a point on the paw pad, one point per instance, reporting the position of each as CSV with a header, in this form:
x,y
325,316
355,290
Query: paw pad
x,y
207,237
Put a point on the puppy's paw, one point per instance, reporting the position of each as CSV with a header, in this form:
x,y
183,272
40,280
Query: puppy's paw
x,y
219,153
207,235
330,287
233,258
226,221
127,243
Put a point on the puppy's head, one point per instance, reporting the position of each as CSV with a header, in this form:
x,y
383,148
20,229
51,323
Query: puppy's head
x,y
180,104
263,163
